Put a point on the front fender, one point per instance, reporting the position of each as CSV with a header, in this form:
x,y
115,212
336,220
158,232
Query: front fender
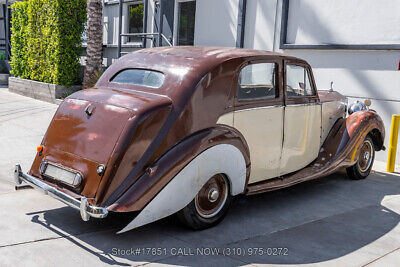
x,y
341,147
162,171
366,122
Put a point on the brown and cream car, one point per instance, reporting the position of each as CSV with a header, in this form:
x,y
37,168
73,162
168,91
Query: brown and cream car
x,y
184,129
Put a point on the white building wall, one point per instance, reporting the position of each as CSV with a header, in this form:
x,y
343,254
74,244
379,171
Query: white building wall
x,y
216,22
260,24
344,22
358,74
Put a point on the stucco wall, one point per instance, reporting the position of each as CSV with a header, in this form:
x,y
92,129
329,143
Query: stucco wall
x,y
344,22
216,22
260,24
355,73
358,74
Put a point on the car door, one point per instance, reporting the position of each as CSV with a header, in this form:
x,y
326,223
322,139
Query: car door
x,y
302,119
258,115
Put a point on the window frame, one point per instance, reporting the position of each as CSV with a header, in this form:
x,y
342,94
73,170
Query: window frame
x,y
274,80
127,21
176,20
302,99
255,103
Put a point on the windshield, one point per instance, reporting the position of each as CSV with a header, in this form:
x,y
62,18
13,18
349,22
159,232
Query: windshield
x,y
141,77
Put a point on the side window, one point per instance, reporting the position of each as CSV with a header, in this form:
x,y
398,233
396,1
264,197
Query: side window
x,y
257,81
298,81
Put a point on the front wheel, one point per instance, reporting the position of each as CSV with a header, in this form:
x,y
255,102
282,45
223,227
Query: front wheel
x,y
365,161
209,206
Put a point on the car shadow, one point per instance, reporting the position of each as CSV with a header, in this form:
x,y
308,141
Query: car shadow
x,y
314,221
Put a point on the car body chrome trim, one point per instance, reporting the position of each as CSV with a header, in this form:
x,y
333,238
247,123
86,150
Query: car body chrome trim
x,y
262,107
304,104
82,205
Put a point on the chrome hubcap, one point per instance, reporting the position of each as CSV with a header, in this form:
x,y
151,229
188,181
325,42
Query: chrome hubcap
x,y
366,154
212,196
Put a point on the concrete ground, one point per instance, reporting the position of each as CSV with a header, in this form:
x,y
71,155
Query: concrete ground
x,y
332,221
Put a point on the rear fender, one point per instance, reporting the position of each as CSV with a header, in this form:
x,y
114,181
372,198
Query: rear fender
x,y
181,190
162,171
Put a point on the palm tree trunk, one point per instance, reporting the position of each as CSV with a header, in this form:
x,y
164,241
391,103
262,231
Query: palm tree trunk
x,y
94,50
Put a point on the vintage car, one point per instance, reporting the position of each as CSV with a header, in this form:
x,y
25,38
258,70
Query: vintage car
x,y
184,129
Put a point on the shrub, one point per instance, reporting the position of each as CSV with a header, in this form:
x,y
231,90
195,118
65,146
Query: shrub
x,y
19,50
46,40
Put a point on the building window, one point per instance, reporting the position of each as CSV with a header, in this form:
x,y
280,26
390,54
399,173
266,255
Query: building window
x,y
185,13
135,13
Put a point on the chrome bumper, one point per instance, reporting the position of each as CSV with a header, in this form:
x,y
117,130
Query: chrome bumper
x,y
82,205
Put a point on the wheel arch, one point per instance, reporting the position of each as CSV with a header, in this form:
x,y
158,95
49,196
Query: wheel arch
x,y
181,190
163,170
377,138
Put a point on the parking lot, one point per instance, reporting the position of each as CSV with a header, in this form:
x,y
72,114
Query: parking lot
x,y
331,221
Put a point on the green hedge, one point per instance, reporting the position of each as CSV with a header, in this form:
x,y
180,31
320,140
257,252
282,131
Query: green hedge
x,y
46,40
19,47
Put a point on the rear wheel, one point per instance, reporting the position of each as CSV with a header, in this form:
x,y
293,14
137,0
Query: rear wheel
x,y
209,206
365,161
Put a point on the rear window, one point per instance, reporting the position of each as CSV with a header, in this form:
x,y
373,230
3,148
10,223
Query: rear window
x,y
149,78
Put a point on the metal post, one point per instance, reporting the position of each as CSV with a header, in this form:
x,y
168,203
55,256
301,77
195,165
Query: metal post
x,y
7,32
146,6
394,135
120,28
241,23
161,24
284,23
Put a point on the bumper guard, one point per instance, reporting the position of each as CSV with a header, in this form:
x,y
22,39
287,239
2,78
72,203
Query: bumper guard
x,y
82,205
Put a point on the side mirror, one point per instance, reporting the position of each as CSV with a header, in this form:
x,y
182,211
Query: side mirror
x,y
367,102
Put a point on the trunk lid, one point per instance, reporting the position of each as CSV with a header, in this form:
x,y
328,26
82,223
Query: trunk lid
x,y
86,129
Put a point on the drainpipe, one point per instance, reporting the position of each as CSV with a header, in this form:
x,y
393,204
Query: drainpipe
x,y
120,28
7,32
161,20
241,23
146,6
277,26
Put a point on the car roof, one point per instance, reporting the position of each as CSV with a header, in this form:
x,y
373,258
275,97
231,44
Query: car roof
x,y
203,54
182,65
